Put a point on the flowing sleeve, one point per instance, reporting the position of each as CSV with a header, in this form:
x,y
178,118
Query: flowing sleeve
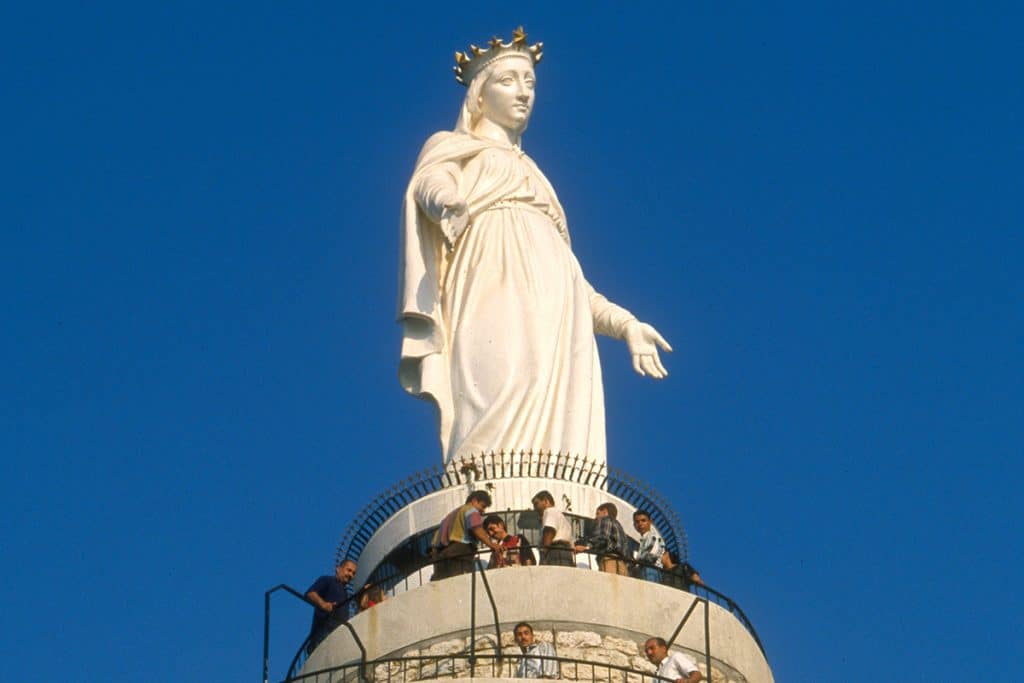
x,y
609,319
436,189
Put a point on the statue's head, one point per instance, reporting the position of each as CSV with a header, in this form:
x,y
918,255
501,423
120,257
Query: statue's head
x,y
503,93
499,83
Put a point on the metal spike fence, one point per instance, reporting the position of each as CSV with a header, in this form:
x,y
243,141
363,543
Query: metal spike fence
x,y
510,465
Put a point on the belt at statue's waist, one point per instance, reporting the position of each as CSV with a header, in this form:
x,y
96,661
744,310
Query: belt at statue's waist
x,y
523,204
526,206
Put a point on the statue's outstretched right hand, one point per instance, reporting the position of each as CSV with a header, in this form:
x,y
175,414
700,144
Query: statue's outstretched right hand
x,y
643,342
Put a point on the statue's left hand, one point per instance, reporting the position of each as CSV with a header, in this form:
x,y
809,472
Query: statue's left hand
x,y
643,342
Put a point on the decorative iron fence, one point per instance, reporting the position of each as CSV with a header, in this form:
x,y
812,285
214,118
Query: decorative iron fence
x,y
509,465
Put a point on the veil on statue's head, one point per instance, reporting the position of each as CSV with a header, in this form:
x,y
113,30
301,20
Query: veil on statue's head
x,y
470,113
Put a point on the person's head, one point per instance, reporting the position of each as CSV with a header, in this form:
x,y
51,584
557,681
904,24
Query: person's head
x,y
523,633
495,527
499,85
504,92
641,521
345,571
481,500
542,501
656,649
607,510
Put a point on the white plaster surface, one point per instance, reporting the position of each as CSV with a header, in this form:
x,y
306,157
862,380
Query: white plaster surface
x,y
590,602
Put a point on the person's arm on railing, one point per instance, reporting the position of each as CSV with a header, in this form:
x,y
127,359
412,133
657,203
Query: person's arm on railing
x,y
486,540
321,604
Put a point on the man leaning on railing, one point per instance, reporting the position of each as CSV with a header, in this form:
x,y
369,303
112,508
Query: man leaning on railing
x,y
453,548
608,541
673,667
530,664
329,593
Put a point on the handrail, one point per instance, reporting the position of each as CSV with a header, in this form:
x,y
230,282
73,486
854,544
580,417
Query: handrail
x,y
732,607
667,578
266,622
346,605
627,673
472,614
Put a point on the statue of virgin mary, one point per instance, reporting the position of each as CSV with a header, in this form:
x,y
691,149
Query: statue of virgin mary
x,y
498,320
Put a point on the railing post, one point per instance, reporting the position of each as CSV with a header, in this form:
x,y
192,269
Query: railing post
x,y
682,622
266,636
472,621
494,611
707,636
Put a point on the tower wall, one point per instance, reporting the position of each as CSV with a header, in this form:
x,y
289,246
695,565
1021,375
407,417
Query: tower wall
x,y
591,616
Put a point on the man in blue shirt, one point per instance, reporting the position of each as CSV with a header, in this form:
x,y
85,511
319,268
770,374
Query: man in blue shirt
x,y
329,594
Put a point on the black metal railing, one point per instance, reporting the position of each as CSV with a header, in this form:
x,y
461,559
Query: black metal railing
x,y
509,465
345,608
672,578
343,612
703,593
462,665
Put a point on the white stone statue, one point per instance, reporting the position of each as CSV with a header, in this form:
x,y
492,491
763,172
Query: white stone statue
x,y
498,320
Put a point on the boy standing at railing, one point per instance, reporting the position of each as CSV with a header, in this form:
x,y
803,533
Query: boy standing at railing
x,y
651,547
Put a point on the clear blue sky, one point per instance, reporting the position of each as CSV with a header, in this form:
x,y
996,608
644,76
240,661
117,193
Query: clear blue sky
x,y
819,207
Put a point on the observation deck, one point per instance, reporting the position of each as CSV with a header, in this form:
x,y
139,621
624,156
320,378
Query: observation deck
x,y
461,627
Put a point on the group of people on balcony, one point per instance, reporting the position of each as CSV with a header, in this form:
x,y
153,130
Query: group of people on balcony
x,y
454,544
454,550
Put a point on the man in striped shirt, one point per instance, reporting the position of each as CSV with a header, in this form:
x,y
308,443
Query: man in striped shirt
x,y
453,548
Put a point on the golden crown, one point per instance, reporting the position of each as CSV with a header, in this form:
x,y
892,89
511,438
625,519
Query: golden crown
x,y
469,64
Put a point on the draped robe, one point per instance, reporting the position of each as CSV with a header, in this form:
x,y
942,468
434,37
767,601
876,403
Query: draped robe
x,y
498,321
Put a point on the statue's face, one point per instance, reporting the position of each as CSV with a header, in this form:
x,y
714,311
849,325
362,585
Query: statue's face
x,y
507,97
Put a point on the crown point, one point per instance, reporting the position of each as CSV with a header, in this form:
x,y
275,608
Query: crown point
x,y
473,60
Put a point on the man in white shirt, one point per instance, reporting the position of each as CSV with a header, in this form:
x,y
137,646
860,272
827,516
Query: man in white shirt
x,y
674,667
556,544
652,548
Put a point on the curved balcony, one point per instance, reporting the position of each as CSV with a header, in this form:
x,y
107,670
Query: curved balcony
x,y
595,620
485,470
